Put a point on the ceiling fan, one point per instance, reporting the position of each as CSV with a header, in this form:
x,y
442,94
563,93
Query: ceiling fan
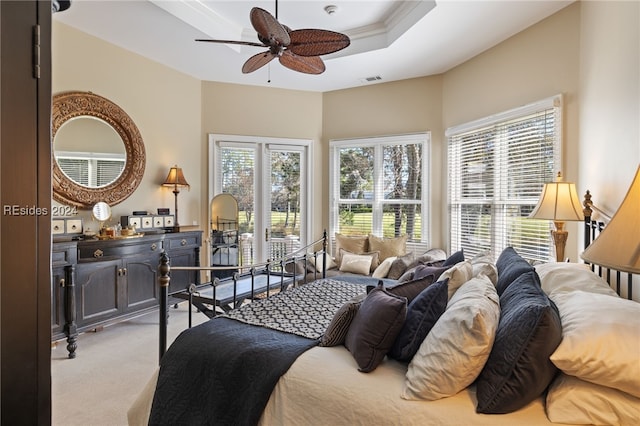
x,y
298,50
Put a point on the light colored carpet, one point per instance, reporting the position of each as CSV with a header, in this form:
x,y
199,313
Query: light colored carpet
x,y
111,367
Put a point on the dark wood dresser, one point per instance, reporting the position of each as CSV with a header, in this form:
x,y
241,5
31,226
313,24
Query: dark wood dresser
x,y
100,282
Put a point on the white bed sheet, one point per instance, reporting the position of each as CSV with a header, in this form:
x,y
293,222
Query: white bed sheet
x,y
324,387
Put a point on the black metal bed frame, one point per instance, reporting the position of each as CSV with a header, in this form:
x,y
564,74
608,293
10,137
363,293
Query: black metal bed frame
x,y
271,268
592,229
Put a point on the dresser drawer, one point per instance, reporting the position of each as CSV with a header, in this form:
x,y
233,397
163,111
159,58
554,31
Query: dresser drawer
x,y
183,241
112,249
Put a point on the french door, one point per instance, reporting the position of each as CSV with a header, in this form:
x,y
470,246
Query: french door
x,y
269,178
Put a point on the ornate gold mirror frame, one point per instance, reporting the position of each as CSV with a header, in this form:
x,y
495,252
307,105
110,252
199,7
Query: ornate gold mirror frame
x,y
70,105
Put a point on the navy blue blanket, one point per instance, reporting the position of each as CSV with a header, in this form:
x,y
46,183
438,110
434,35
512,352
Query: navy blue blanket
x,y
222,372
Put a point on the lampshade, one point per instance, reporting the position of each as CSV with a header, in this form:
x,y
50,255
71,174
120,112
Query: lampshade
x,y
618,245
559,202
175,178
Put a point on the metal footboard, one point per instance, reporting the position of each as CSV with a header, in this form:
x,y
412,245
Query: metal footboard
x,y
245,283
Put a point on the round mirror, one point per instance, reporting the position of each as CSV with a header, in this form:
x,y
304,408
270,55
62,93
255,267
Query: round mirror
x,y
98,152
102,211
94,162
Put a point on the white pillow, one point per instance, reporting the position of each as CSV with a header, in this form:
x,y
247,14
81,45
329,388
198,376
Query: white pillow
x,y
454,352
383,269
600,339
356,263
564,276
574,401
458,274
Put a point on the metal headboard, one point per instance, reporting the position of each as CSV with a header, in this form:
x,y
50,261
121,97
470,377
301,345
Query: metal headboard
x,y
592,229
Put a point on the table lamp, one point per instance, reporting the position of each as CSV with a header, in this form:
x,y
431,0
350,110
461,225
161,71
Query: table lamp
x,y
618,245
559,202
176,179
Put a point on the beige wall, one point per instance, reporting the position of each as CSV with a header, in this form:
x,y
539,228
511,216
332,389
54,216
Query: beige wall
x,y
164,104
588,52
609,109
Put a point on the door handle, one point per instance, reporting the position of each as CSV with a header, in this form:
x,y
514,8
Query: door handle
x,y
266,234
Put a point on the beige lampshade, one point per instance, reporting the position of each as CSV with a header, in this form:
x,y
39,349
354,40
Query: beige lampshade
x,y
175,178
618,245
559,201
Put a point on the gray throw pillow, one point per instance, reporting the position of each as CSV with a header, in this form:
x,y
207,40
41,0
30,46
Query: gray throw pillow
x,y
339,326
399,266
375,328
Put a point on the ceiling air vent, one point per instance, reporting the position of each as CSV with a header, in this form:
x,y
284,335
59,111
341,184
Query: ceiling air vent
x,y
371,79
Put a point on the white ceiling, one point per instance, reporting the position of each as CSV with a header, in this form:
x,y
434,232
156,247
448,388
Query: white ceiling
x,y
390,39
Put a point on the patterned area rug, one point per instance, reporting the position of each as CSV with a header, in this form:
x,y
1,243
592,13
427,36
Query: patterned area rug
x,y
305,311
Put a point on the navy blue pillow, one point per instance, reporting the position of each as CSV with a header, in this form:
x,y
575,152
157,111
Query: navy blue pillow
x,y
422,314
510,266
519,369
454,259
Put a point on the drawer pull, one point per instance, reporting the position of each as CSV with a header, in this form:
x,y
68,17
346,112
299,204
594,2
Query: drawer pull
x,y
98,253
183,242
154,246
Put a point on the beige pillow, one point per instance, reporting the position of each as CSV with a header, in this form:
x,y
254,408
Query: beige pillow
x,y
383,269
317,262
454,352
355,244
483,264
361,264
388,247
574,401
600,339
458,274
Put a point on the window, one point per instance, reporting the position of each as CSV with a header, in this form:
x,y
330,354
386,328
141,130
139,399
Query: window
x,y
497,168
380,186
94,170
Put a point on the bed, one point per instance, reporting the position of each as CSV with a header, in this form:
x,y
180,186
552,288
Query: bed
x,y
479,342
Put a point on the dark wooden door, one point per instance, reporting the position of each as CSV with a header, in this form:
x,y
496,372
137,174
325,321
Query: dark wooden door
x,y
25,225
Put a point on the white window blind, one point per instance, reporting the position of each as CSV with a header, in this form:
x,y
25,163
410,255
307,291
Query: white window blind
x,y
236,175
497,168
380,185
94,170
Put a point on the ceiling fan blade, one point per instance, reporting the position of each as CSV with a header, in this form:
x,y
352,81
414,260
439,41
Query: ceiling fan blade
x,y
245,43
257,61
305,64
314,42
270,31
